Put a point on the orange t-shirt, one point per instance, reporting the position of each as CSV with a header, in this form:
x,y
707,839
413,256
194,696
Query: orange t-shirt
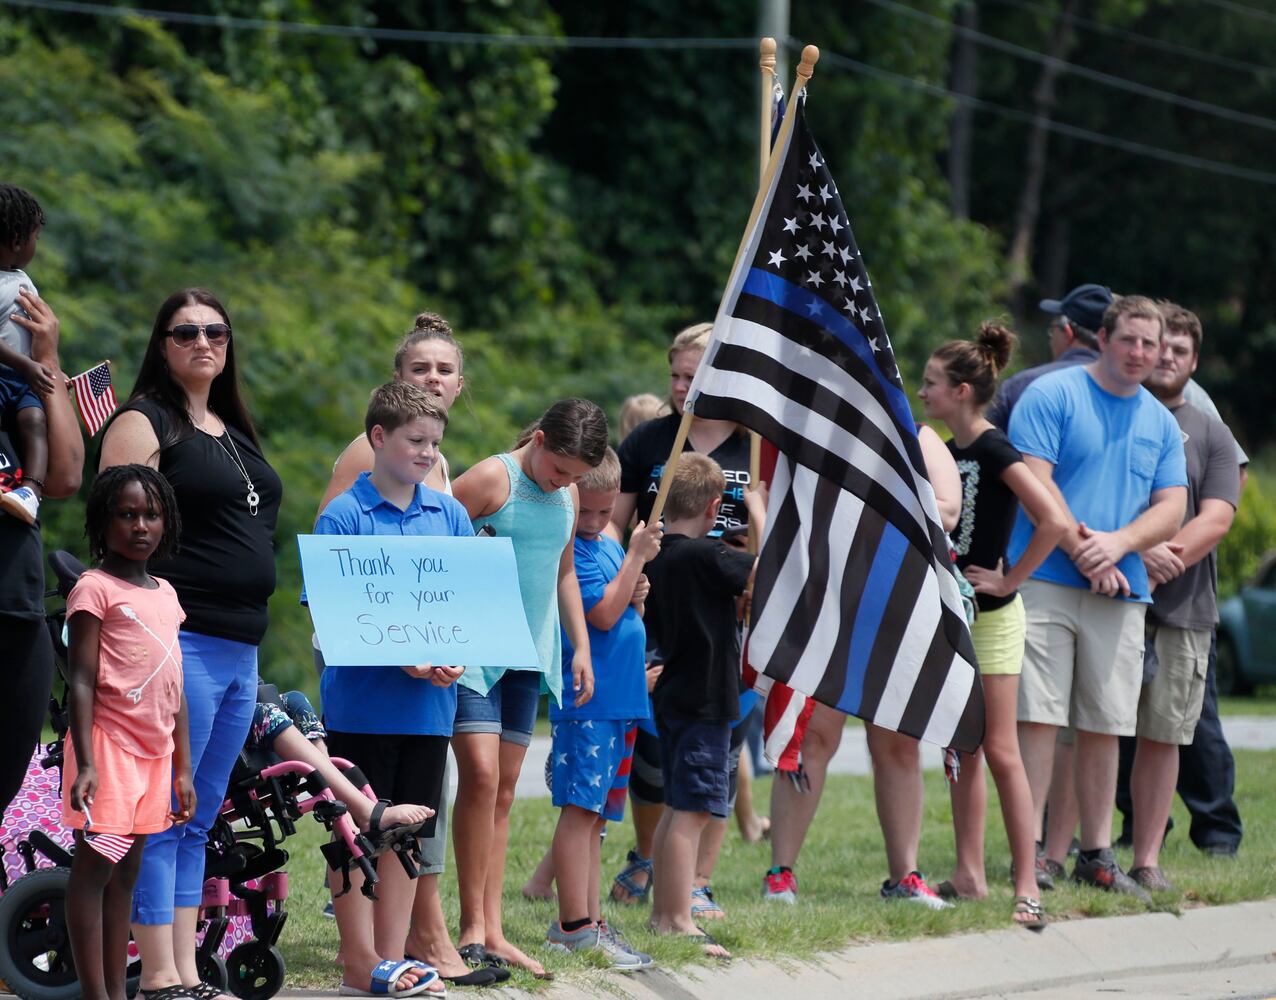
x,y
139,677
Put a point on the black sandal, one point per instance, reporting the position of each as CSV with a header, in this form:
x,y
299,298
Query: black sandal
x,y
175,992
204,991
478,957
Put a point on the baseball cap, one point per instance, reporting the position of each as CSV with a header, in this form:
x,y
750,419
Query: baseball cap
x,y
1084,305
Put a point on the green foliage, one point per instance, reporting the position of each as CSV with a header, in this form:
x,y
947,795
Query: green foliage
x,y
1252,534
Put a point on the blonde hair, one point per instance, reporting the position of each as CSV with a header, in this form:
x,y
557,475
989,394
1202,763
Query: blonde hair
x,y
603,477
397,403
693,338
696,481
636,410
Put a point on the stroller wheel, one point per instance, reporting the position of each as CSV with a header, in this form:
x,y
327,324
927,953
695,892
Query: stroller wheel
x,y
212,970
256,971
35,948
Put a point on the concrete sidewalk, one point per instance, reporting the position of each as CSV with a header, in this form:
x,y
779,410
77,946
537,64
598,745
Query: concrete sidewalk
x,y
1208,952
1244,732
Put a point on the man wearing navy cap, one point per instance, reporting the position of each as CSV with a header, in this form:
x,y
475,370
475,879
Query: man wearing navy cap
x,y
1074,322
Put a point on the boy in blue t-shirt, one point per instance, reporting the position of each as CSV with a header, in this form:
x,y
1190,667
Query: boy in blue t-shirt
x,y
589,763
395,723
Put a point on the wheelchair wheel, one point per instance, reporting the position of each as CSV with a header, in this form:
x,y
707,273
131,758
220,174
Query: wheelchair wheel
x,y
212,970
256,971
35,948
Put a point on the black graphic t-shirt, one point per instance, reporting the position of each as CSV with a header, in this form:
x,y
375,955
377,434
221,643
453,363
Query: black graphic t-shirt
x,y
987,506
642,460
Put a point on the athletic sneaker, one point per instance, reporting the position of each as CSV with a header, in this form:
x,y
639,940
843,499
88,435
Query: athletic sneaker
x,y
1152,879
1103,872
21,503
591,938
328,911
780,885
913,888
622,942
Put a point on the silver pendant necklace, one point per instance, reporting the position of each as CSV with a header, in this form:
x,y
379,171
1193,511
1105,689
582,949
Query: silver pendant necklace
x,y
233,454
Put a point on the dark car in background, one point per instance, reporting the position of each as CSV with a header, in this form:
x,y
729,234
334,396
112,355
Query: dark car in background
x,y
1247,633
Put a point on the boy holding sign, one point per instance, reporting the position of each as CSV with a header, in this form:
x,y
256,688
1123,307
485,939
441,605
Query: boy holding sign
x,y
593,743
393,722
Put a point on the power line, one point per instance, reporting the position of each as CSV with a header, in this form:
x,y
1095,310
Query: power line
x,y
1240,8
1072,131
1106,79
385,34
597,42
1149,41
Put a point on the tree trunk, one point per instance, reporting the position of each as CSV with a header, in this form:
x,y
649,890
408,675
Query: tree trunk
x,y
961,131
1019,258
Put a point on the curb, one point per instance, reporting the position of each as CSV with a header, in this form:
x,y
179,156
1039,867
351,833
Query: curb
x,y
1072,953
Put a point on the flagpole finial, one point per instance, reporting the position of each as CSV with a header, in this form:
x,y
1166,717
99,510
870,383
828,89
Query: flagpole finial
x,y
806,67
766,55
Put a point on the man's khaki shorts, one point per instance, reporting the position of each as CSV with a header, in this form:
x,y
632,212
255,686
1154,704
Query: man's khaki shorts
x,y
1083,659
1170,703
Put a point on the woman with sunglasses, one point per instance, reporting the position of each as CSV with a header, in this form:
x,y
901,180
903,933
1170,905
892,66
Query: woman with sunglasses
x,y
186,418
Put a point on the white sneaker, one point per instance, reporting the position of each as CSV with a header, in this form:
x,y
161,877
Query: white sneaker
x,y
21,503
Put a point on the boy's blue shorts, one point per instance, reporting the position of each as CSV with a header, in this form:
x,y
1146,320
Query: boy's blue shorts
x,y
15,394
589,765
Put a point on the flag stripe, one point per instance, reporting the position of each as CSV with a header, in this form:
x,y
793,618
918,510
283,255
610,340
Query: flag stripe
x,y
855,573
868,622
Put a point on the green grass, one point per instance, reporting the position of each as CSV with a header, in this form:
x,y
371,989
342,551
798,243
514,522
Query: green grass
x,y
841,868
1261,702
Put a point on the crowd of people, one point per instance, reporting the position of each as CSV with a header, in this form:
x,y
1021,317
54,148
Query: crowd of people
x,y
1084,499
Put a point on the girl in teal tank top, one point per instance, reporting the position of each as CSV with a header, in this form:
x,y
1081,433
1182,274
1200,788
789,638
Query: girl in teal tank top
x,y
528,496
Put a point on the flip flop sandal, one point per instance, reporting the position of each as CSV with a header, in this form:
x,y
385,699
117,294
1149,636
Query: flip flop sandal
x,y
704,939
478,957
484,975
174,992
1033,909
203,991
634,865
384,976
704,905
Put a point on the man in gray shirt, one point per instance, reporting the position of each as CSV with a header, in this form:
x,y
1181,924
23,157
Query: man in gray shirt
x,y
1183,573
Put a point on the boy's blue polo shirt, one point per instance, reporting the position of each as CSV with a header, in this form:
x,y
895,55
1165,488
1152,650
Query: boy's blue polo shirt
x,y
376,699
618,654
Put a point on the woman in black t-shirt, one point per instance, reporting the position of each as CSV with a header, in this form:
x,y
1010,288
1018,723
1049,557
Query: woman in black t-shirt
x,y
186,418
957,384
644,452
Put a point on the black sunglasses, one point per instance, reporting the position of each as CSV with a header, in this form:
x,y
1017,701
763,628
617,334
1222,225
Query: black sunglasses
x,y
185,334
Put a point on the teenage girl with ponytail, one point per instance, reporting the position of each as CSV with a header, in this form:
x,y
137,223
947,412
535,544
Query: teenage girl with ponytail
x,y
957,385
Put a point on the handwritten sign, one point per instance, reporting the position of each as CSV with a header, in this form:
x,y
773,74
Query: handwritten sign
x,y
395,601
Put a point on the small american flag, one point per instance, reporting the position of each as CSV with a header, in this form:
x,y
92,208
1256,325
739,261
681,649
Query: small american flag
x,y
94,396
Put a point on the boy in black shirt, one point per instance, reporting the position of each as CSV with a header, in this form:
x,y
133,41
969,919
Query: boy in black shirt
x,y
691,615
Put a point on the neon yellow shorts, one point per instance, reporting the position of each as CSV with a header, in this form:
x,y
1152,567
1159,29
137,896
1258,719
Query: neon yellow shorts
x,y
999,637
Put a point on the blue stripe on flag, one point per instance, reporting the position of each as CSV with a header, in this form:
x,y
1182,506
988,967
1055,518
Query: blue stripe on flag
x,y
800,302
887,560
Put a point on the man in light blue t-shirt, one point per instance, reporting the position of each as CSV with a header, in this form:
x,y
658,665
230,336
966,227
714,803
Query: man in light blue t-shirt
x,y
1113,456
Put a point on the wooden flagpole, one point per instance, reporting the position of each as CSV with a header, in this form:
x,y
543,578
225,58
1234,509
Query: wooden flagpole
x,y
766,63
805,70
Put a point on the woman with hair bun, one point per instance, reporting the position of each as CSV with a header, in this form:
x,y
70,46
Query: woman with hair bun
x,y
957,385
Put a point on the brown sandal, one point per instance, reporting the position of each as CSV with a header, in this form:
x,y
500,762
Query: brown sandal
x,y
1032,908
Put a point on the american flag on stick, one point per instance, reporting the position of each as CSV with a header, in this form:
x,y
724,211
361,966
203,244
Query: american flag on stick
x,y
855,604
94,396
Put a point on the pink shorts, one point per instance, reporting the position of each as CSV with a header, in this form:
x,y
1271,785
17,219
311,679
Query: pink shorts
x,y
133,793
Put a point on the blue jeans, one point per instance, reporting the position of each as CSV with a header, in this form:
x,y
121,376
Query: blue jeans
x,y
221,693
